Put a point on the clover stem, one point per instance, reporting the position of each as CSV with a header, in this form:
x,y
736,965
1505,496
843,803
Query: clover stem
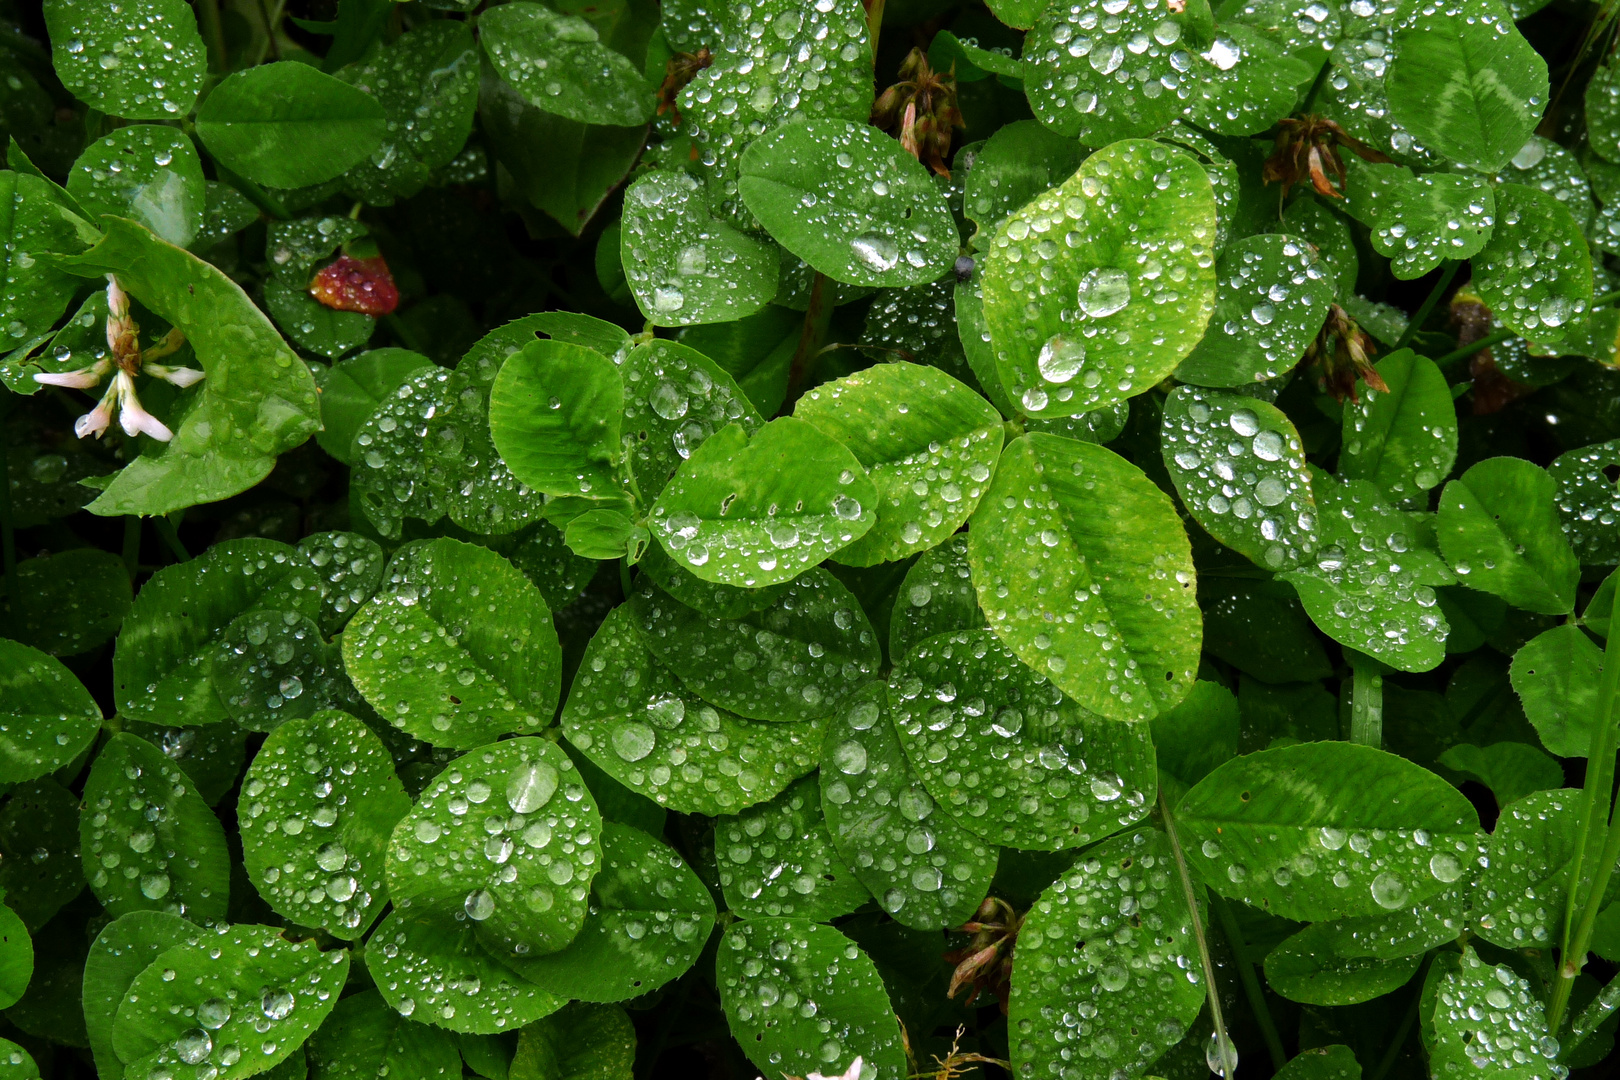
x,y
1366,700
624,577
1251,983
271,23
874,25
1222,1039
1316,87
1597,798
171,538
214,33
817,317
1606,1002
1422,313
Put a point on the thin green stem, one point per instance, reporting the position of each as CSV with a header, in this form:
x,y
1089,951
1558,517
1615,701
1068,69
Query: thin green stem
x,y
1599,1010
1251,982
1407,1020
1316,87
1222,1039
1597,798
1422,314
272,24
874,26
171,538
1366,701
624,577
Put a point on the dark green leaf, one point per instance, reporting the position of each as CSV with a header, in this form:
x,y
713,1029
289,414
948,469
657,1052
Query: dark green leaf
x,y
1405,441
1498,527
124,949
1556,676
47,717
778,858
554,413
559,64
580,1042
364,1039
1588,500
140,59
146,172
1306,969
70,602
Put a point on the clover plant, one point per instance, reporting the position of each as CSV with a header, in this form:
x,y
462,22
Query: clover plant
x,y
549,540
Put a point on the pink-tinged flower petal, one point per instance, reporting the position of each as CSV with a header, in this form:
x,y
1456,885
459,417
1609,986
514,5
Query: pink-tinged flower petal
x,y
95,421
179,376
82,379
853,1073
134,419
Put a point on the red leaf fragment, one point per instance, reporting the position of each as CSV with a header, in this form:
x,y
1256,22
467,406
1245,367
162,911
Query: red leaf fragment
x,y
350,284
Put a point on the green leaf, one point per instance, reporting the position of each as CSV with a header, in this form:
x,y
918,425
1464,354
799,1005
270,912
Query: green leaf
x,y
1410,931
457,649
1478,1016
1329,829
849,201
772,971
47,717
1019,161
258,401
1371,585
761,67
936,597
1102,75
433,970
33,292
755,351
520,866
1329,233
778,858
1588,500
978,351
1602,100
685,266
1422,221
633,718
233,1002
1305,968
1097,289
1535,274
758,511
16,958
1246,82
925,869
1466,83
1405,441
364,1039
355,388
1107,962
674,399
311,324
141,59
272,666
1511,770
928,443
605,534
1260,628
161,665
20,1064
707,597
1008,754
919,324
41,867
649,918
1066,523
554,413
1271,300
798,659
1520,900
212,756
1335,1062
146,172
124,948
561,166
1556,676
70,602
580,1042
1239,467
1191,740
559,64
316,810
172,859
393,477
427,84
287,125
296,248
1498,527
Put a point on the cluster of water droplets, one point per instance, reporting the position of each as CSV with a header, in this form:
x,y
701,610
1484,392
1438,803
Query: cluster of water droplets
x,y
435,971
924,868
1588,500
673,401
631,716
1523,892
1272,297
508,837
1108,972
392,472
918,324
144,171
1296,25
559,64
1529,278
1108,59
1421,221
936,597
250,995
797,659
682,264
781,61
1240,469
777,858
310,812
132,834
1487,1017
295,247
1008,754
1548,167
349,567
1354,95
136,59
270,666
427,84
1086,301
